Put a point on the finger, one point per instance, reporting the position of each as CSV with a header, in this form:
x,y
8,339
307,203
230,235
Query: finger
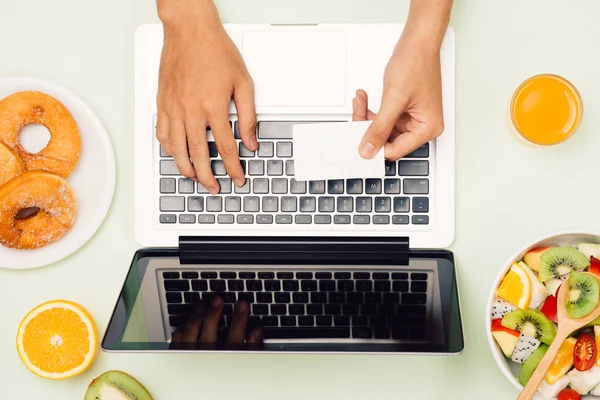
x,y
380,129
360,106
191,331
227,147
178,147
404,144
237,332
256,336
162,130
211,321
198,147
401,124
244,104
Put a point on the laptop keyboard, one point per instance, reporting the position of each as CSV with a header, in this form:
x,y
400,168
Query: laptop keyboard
x,y
308,304
271,195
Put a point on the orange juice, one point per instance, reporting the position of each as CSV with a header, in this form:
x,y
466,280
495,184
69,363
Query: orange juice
x,y
546,109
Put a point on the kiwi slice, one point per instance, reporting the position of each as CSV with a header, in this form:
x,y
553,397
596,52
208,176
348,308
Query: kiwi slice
x,y
116,385
531,323
531,364
560,261
583,294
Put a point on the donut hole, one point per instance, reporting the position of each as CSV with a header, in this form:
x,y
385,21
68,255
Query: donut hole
x,y
34,137
26,213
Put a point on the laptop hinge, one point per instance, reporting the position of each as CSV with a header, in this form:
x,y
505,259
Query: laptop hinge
x,y
274,250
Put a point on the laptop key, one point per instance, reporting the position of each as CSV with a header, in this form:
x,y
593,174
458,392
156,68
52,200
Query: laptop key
x,y
260,309
214,204
176,321
201,189
314,309
264,219
421,204
418,276
400,286
283,219
364,286
414,298
327,285
244,152
272,286
225,185
373,186
278,129
187,219
383,204
413,168
363,204
306,321
282,297
390,298
288,204
337,298
175,285
234,285
381,219
254,285
278,309
167,185
173,297
400,219
304,275
168,218
316,187
354,186
233,203
270,321
261,186
322,219
180,309
303,219
199,285
416,186
361,219
217,285
168,167
382,286
307,204
163,153
345,285
186,186
285,275
289,168
333,309
245,219
362,333
262,297
191,297
256,167
308,285
400,275
420,219
335,186
300,297
270,204
251,204
284,149
171,275
350,309
381,332
360,320
326,204
172,203
265,149
218,168
345,204
247,275
212,150
391,186
225,218
418,286
297,187
362,275
318,298
390,168
401,204
373,298
421,152
244,189
195,204
247,297
274,167
306,333
279,186
295,309
342,275
290,285
340,320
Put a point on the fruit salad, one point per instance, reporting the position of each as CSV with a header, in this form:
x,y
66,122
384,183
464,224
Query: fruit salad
x,y
524,318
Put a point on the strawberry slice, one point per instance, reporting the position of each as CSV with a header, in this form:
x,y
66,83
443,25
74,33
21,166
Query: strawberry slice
x,y
594,266
549,308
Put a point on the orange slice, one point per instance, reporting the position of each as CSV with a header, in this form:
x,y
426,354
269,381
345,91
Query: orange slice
x,y
516,287
57,340
562,362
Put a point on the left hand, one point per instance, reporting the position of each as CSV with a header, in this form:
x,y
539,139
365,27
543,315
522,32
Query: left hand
x,y
411,111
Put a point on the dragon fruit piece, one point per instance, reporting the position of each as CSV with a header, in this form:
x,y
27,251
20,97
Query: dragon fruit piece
x,y
525,347
501,307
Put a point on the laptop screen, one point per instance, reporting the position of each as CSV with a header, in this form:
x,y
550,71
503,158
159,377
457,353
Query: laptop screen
x,y
312,304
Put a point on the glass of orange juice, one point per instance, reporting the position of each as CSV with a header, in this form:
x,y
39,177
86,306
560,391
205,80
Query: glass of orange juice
x,y
546,109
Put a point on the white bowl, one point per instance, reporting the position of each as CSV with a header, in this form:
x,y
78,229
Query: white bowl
x,y
565,238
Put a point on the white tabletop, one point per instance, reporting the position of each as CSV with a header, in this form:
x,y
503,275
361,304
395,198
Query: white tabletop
x,y
507,193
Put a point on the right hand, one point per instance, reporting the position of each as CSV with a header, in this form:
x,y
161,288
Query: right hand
x,y
201,70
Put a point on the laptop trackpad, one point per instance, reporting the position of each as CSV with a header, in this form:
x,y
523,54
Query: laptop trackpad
x,y
297,68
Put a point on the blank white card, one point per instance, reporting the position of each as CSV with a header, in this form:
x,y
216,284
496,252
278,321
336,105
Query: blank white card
x,y
330,151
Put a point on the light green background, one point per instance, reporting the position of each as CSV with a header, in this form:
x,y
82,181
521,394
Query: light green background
x,y
507,193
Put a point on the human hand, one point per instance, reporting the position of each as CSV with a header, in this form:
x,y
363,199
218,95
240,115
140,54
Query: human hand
x,y
201,330
411,111
201,70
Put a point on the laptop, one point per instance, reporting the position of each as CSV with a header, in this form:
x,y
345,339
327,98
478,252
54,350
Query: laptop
x,y
353,265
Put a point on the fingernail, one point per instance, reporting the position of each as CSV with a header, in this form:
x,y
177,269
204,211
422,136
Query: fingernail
x,y
243,307
366,149
239,182
216,303
195,179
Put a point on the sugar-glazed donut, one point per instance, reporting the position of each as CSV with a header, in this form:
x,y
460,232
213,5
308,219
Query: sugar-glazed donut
x,y
36,208
11,164
61,154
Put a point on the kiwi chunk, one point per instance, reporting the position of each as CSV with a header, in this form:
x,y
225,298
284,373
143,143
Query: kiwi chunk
x,y
560,261
116,385
531,364
531,323
583,294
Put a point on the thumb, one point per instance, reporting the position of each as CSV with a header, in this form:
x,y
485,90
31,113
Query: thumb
x,y
380,129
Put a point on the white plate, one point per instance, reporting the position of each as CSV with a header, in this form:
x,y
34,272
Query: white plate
x,y
93,179
565,238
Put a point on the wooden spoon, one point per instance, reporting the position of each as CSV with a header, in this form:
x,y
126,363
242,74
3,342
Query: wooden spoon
x,y
566,326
